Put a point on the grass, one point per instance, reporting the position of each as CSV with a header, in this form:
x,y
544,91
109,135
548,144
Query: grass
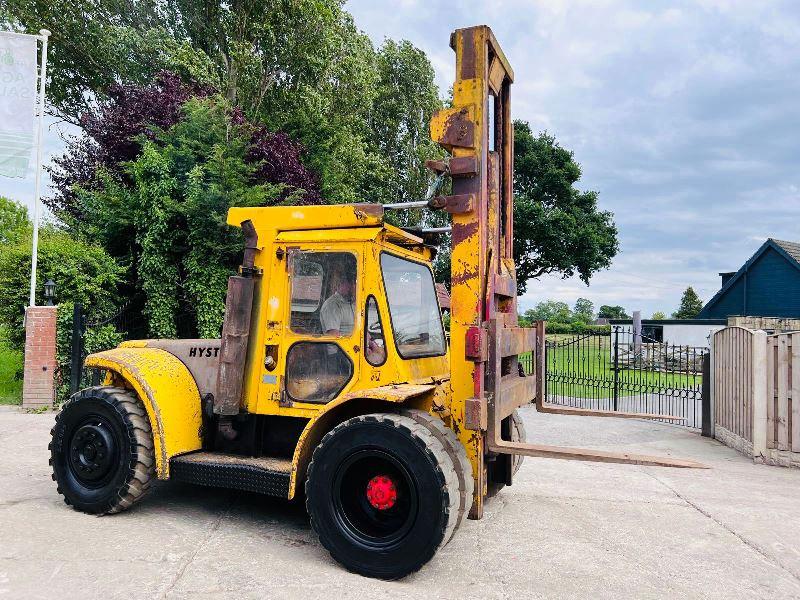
x,y
588,372
10,365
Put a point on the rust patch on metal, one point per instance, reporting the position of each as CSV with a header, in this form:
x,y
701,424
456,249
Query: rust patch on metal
x,y
457,278
459,130
362,211
468,53
464,166
463,231
455,205
475,417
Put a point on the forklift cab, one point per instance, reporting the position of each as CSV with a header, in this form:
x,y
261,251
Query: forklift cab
x,y
356,311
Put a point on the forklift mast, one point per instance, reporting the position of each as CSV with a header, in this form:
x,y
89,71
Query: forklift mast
x,y
486,342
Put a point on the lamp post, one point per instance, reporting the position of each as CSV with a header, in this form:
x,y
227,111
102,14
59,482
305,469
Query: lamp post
x,y
50,291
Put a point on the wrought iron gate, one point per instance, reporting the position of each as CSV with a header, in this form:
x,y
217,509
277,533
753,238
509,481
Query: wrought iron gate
x,y
626,372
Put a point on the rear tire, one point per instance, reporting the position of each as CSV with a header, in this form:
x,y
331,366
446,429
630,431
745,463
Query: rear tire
x,y
383,494
101,450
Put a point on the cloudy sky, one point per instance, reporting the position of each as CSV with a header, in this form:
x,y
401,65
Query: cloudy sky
x,y
684,115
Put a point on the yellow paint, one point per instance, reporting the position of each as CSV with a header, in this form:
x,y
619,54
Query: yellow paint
x,y
168,392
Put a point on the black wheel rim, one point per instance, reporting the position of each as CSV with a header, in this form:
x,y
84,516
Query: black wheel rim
x,y
366,524
93,451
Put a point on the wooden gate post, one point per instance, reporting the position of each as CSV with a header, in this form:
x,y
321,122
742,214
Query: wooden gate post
x,y
759,395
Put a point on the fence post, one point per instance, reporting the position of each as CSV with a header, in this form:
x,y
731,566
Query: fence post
x,y
616,366
707,429
76,349
759,433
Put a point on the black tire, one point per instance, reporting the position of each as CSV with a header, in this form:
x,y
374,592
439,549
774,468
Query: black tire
x,y
518,434
458,454
386,541
101,450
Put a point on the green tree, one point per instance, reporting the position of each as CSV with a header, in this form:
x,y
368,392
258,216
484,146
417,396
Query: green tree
x,y
584,310
557,228
658,316
14,221
612,312
549,310
405,100
171,208
300,66
690,306
82,272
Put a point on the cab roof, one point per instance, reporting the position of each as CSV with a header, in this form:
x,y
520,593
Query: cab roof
x,y
361,221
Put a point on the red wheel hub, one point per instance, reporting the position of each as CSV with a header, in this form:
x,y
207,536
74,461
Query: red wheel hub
x,y
381,492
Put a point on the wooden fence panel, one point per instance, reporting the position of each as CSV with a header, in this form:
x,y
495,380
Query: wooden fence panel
x,y
795,403
756,393
733,381
783,393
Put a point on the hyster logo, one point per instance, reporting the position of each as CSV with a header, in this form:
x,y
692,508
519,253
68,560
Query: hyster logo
x,y
201,352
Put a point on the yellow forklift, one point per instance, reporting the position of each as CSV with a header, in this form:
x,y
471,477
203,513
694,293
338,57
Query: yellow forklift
x,y
333,379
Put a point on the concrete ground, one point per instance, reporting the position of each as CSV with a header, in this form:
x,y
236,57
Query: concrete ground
x,y
564,530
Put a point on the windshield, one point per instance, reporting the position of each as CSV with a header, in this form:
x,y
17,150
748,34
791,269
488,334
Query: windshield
x,y
414,311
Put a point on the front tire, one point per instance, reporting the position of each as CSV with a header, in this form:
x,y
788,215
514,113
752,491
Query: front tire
x,y
101,450
383,495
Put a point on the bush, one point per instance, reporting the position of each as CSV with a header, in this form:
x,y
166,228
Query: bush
x,y
82,272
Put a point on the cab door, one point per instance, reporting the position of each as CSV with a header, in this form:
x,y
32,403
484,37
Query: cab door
x,y
313,335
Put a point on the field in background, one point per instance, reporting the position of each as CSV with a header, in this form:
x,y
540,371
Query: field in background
x,y
10,364
588,373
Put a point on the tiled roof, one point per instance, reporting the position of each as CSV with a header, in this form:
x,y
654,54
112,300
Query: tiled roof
x,y
791,248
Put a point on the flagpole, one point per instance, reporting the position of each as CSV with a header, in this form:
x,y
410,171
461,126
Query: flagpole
x,y
42,81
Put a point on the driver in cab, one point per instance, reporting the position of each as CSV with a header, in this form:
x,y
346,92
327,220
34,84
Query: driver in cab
x,y
337,315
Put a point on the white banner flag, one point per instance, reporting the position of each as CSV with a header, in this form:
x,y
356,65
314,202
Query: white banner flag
x,y
18,76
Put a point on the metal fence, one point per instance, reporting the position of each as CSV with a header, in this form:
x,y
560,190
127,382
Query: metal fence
x,y
625,371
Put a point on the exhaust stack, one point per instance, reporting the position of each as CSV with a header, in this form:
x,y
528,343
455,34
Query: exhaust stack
x,y
236,329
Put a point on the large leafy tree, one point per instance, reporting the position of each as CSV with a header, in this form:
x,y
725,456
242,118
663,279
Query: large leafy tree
x,y
612,312
557,228
584,310
163,213
299,66
690,306
550,310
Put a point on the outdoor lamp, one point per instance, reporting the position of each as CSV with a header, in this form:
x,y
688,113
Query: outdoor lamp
x,y
50,291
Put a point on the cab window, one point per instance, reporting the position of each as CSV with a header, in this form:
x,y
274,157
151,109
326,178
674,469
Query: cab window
x,y
323,293
316,371
413,308
374,342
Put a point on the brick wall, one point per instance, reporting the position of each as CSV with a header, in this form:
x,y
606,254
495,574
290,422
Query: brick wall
x,y
38,388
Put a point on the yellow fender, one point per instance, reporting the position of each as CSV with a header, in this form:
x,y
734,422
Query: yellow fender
x,y
168,392
363,401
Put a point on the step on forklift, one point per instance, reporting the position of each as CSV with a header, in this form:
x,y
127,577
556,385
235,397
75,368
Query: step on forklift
x,y
334,379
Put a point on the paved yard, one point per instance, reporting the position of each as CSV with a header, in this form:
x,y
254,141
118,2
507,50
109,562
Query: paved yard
x,y
564,530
